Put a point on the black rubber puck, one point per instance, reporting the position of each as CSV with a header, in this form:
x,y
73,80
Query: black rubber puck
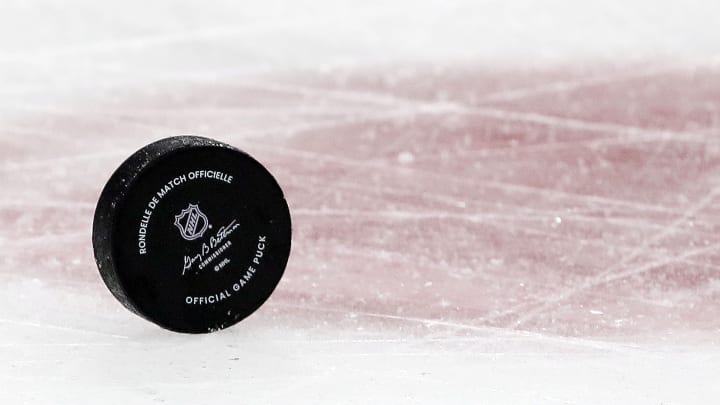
x,y
192,234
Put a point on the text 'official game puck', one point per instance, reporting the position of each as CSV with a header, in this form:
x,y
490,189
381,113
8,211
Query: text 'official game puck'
x,y
192,234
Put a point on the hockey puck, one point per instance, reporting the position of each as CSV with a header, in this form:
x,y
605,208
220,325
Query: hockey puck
x,y
191,234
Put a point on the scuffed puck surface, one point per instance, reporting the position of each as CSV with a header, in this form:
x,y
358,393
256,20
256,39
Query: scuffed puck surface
x,y
191,234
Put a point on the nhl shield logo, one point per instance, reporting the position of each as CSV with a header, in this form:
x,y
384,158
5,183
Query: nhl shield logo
x,y
191,222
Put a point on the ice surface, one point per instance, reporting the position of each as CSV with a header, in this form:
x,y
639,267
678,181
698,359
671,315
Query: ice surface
x,y
493,202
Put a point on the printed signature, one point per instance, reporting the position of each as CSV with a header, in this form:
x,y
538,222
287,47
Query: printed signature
x,y
212,249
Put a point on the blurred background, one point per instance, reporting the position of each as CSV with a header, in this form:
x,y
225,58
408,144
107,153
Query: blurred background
x,y
493,201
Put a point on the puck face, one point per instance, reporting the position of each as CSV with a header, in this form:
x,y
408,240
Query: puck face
x,y
192,234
